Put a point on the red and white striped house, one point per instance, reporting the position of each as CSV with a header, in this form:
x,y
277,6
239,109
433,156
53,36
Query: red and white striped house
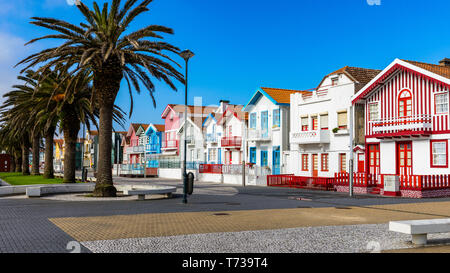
x,y
407,127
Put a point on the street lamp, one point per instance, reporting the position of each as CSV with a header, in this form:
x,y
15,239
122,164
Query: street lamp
x,y
186,55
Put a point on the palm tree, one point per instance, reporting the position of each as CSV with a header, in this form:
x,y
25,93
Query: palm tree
x,y
102,46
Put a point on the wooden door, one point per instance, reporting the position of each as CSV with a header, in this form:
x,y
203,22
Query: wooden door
x,y
361,162
374,160
315,165
404,158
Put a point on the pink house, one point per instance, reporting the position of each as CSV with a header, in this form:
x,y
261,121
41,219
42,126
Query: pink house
x,y
173,117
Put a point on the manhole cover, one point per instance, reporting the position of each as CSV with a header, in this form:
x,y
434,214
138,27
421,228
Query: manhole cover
x,y
221,214
343,208
233,204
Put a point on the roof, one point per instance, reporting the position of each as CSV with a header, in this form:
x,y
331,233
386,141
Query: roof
x,y
356,74
277,96
59,141
434,72
280,95
179,108
160,127
236,110
137,125
441,70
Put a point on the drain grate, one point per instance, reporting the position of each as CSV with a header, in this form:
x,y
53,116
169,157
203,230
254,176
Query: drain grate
x,y
221,214
233,204
343,208
304,207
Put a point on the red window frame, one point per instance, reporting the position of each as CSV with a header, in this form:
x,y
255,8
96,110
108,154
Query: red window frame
x,y
304,162
324,162
431,153
342,156
405,101
315,123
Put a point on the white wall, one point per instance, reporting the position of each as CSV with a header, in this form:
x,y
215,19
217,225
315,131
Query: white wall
x,y
337,99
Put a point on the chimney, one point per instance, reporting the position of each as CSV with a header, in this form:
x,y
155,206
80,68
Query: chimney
x,y
224,105
445,62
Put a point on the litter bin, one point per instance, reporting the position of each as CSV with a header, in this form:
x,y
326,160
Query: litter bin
x,y
190,183
84,175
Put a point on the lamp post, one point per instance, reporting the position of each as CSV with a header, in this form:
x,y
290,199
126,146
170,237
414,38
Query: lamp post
x,y
186,55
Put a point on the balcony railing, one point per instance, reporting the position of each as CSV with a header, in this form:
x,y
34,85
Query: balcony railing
x,y
308,137
235,141
259,135
422,123
170,144
135,149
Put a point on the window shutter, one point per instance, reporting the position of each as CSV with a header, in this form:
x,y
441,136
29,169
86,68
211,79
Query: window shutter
x,y
324,121
304,121
342,119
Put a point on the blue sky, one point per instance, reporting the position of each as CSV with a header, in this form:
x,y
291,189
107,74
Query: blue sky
x,y
241,45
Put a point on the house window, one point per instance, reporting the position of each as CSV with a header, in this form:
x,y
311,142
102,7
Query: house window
x,y
373,111
342,120
324,122
304,162
439,150
253,120
441,103
405,104
212,154
314,123
276,118
334,81
304,123
253,155
264,159
342,163
324,162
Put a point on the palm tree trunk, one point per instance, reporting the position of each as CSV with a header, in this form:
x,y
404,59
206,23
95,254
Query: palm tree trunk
x,y
12,168
71,129
107,85
18,162
48,164
104,186
35,149
25,158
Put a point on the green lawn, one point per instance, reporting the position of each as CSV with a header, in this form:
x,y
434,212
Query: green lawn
x,y
16,179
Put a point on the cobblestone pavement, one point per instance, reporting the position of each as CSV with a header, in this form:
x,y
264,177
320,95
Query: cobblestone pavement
x,y
28,225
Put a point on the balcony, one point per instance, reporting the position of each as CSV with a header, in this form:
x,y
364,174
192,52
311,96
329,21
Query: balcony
x,y
234,141
190,140
310,137
135,149
212,138
418,124
259,135
170,145
152,148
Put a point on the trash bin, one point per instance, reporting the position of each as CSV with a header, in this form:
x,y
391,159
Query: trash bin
x,y
190,183
84,175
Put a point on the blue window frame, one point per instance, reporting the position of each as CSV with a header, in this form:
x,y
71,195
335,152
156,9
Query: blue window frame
x,y
264,159
253,120
276,118
253,155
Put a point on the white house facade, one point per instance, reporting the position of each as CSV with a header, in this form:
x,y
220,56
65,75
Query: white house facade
x,y
319,136
268,128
